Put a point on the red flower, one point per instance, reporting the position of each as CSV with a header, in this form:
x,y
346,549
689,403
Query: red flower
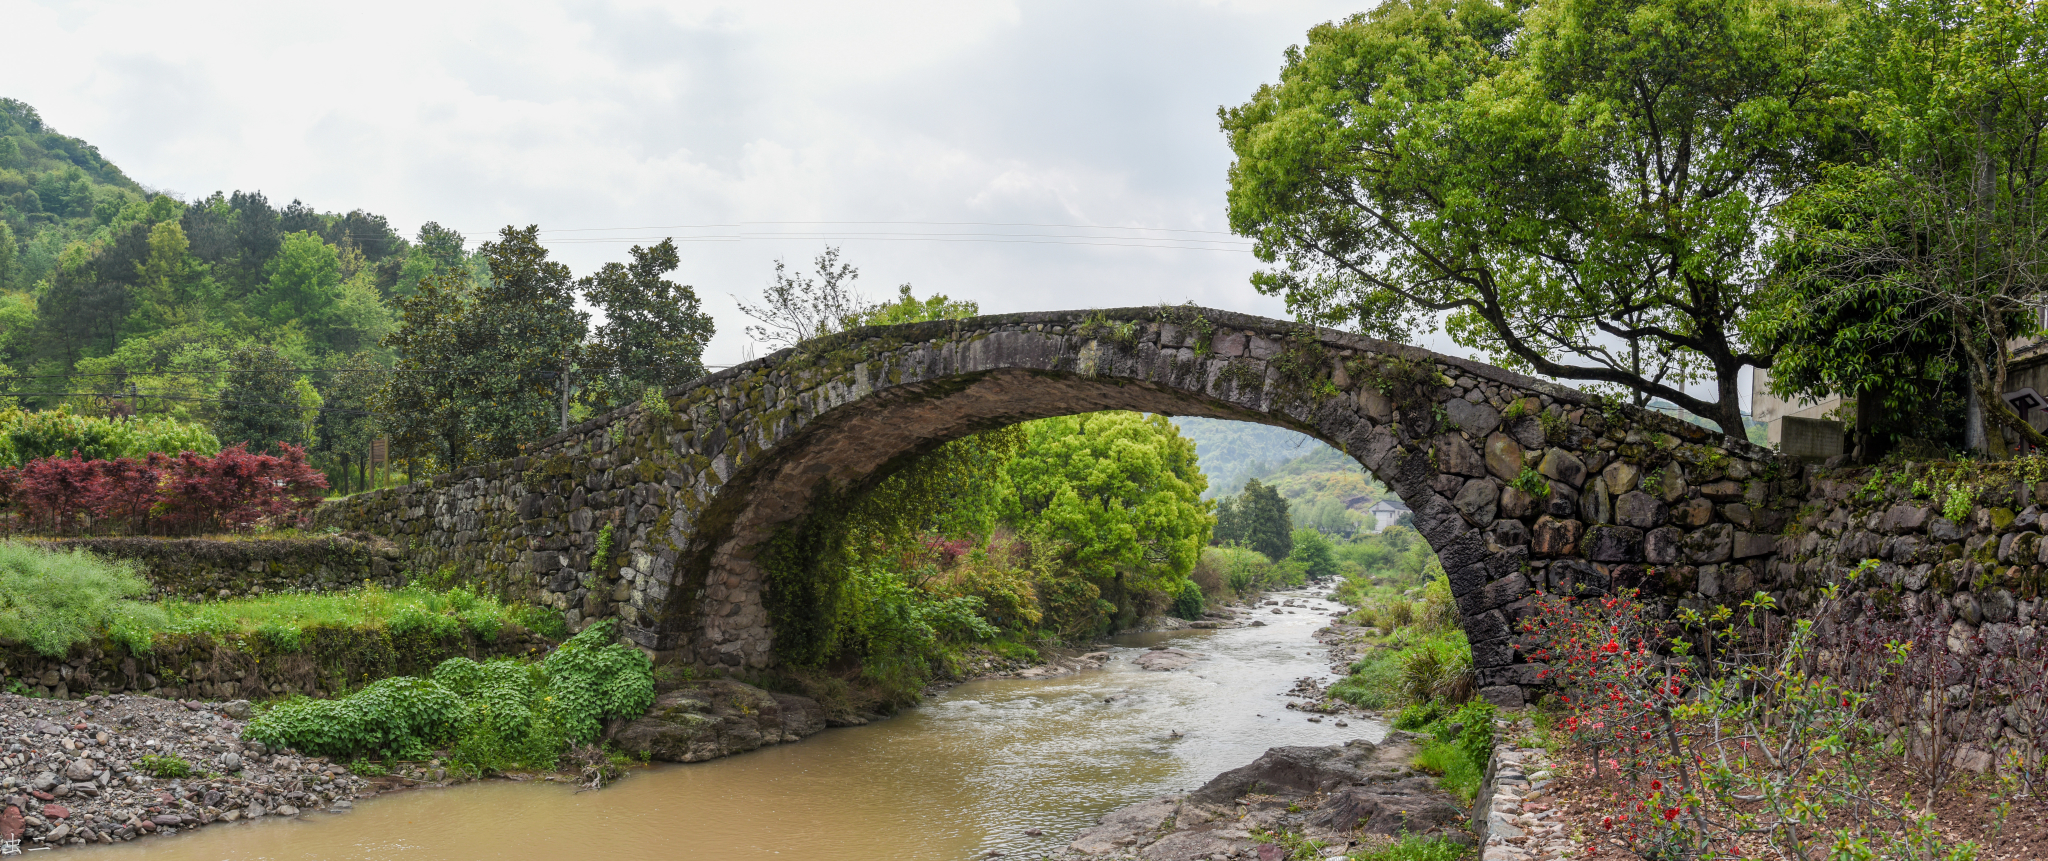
x,y
1656,786
1670,814
1611,647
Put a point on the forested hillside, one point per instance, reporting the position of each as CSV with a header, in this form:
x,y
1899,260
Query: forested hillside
x,y
1325,489
286,324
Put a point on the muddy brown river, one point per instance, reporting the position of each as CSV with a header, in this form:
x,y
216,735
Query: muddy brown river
x,y
971,771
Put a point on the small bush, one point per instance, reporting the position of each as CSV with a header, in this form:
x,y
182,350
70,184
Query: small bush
x,y
184,494
164,765
1413,848
53,600
1187,600
403,717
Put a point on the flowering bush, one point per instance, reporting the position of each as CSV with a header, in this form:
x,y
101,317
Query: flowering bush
x,y
161,494
1727,738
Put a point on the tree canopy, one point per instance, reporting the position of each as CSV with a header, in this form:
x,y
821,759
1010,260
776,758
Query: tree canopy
x,y
1578,187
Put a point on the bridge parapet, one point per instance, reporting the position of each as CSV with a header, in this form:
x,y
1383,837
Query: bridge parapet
x,y
1519,484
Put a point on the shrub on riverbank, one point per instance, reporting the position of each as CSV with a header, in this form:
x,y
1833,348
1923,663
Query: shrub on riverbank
x,y
495,715
53,600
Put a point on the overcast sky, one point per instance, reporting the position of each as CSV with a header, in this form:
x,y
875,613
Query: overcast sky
x,y
816,119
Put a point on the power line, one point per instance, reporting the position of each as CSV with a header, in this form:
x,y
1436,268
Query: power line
x,y
144,397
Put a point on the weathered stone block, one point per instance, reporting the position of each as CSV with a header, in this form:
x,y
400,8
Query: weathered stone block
x,y
1905,517
1518,504
1503,457
1508,533
1713,543
1555,537
1621,476
1473,418
1595,503
1752,544
1478,500
1663,545
1721,491
1454,455
1561,465
1692,513
1640,510
1614,544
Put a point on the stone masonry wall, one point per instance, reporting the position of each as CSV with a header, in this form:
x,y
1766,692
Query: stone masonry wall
x,y
1518,484
1971,585
203,568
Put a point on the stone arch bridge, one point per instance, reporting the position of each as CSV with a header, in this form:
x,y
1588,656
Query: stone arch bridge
x,y
1518,484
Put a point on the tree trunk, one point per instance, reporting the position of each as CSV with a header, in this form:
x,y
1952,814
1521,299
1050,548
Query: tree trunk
x,y
1973,420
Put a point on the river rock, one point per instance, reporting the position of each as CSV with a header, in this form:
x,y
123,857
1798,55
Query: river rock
x,y
1297,771
1326,793
1164,660
718,717
1123,826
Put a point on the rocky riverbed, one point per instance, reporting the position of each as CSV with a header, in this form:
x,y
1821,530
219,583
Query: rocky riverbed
x,y
1346,796
81,771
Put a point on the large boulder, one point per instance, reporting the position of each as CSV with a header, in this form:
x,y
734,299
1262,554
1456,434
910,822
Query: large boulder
x,y
1412,805
1298,771
717,717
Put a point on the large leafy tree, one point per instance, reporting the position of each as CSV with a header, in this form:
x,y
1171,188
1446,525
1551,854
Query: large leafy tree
x,y
1928,251
1576,184
480,364
654,329
266,401
1122,491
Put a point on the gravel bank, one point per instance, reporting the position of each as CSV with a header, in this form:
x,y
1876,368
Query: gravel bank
x,y
73,771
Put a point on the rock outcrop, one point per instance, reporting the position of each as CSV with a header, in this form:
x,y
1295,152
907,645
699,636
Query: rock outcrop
x,y
1340,795
718,717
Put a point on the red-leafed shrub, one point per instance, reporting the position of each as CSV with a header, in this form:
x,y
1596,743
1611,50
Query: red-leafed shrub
x,y
187,494
235,489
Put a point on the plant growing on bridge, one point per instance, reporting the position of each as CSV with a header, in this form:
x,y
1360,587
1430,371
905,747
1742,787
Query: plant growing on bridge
x,y
1565,180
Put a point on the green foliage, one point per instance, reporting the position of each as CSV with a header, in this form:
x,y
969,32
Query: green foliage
x,y
498,715
1313,554
1257,518
603,550
653,335
1187,600
1410,847
53,600
164,766
498,348
1485,157
1913,263
1120,491
1531,482
1460,746
401,717
591,680
282,618
26,436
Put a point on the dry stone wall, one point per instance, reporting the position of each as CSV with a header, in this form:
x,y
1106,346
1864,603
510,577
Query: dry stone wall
x,y
1951,558
208,568
658,518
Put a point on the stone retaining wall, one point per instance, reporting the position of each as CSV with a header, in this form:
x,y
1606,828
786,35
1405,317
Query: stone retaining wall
x,y
329,660
207,568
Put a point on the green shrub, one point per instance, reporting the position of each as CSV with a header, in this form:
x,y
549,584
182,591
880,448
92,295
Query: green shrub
x,y
403,717
591,680
281,618
1414,848
1458,752
163,765
1187,600
1415,716
53,600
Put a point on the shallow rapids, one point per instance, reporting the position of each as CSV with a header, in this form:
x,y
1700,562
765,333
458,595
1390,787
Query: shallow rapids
x,y
971,771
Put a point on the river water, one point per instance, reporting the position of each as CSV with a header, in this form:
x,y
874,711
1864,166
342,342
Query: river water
x,y
968,772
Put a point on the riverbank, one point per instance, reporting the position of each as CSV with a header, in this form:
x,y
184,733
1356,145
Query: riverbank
x,y
108,769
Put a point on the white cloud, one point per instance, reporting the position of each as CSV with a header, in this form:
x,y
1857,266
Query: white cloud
x,y
636,114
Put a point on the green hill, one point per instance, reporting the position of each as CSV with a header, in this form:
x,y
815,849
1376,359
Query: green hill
x,y
1325,489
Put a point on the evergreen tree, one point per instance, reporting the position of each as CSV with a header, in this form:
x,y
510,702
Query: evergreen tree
x,y
1267,527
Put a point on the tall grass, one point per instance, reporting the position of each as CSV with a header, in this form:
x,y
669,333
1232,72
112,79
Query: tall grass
x,y
53,600
282,618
